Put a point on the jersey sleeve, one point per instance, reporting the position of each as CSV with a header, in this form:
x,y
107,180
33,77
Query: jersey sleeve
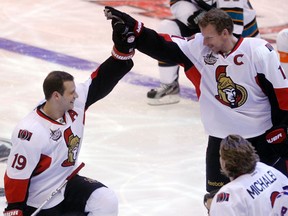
x,y
280,206
162,48
105,77
228,203
23,162
273,81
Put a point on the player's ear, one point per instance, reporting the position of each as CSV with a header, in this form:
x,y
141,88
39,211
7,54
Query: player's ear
x,y
56,95
226,33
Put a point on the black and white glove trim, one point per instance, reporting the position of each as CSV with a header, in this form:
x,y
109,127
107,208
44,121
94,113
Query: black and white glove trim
x,y
122,56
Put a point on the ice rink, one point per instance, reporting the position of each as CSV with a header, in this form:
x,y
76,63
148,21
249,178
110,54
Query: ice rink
x,y
153,157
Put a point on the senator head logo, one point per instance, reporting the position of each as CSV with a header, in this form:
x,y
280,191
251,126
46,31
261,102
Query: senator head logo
x,y
72,143
229,93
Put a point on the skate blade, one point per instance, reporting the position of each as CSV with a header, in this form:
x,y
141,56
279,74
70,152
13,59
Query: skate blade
x,y
166,100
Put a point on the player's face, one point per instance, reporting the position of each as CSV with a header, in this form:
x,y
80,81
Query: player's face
x,y
69,95
212,39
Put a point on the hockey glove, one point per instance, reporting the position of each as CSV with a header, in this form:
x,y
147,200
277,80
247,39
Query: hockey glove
x,y
13,212
277,135
194,19
124,41
133,25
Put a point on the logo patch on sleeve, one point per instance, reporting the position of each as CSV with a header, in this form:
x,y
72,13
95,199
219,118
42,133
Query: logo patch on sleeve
x,y
222,197
24,135
269,46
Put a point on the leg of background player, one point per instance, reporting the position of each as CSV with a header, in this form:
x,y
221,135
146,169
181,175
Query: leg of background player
x,y
168,92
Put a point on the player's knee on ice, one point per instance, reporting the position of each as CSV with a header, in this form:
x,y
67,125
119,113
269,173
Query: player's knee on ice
x,y
102,202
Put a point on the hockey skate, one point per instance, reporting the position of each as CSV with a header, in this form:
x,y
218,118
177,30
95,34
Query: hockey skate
x,y
165,94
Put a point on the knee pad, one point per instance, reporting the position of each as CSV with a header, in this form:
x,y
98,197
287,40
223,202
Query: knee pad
x,y
102,202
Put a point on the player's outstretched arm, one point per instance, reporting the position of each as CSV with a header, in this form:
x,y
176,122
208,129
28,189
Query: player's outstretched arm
x,y
148,41
107,75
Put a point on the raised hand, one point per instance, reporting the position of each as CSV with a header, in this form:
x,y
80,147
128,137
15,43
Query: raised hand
x,y
125,31
124,41
133,25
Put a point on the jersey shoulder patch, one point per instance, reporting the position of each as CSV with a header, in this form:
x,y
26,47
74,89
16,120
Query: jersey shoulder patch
x,y
222,197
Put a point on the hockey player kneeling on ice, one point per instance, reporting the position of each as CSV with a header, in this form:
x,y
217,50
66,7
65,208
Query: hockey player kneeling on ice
x,y
252,182
47,142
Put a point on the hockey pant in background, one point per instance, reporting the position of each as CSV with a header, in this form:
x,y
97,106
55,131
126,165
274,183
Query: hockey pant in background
x,y
168,71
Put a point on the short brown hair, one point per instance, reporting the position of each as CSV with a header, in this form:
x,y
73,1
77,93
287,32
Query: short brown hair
x,y
239,156
54,82
218,18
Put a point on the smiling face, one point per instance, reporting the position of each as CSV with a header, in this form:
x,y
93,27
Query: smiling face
x,y
68,98
217,29
217,42
60,93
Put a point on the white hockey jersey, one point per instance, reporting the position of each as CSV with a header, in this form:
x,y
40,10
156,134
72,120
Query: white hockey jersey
x,y
249,194
236,91
230,84
51,147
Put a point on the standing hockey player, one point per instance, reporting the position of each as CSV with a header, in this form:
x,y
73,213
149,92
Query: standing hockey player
x,y
47,142
239,82
187,14
252,182
282,47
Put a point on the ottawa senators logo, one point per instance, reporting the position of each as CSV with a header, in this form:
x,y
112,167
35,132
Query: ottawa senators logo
x,y
24,134
222,197
72,143
229,93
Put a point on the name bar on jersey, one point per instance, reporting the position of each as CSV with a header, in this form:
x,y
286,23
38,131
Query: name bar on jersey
x,y
261,184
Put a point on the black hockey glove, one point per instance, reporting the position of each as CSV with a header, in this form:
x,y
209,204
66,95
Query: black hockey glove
x,y
194,19
133,25
124,41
